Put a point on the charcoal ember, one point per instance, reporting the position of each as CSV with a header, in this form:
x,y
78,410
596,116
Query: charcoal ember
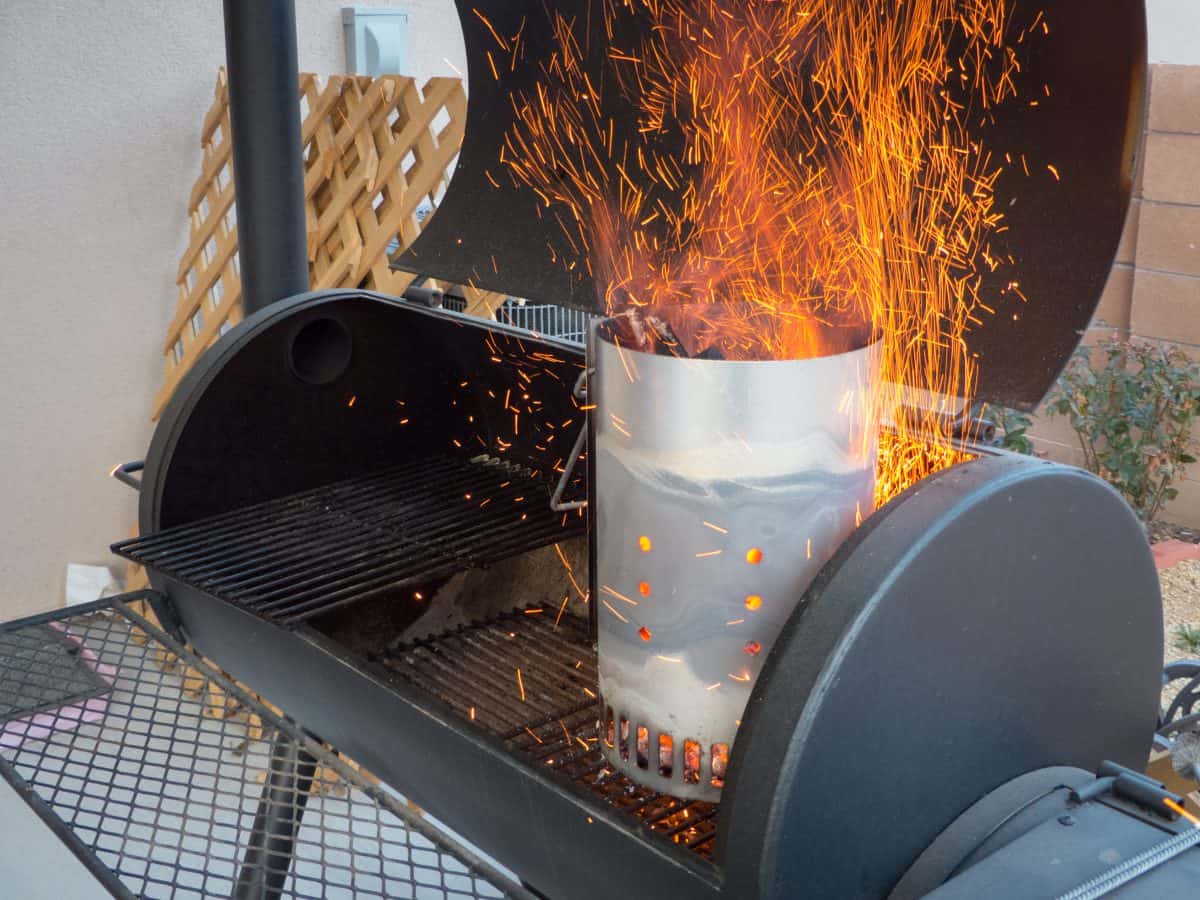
x,y
629,330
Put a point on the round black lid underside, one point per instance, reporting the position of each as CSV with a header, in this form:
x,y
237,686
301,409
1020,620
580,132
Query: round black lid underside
x,y
1063,233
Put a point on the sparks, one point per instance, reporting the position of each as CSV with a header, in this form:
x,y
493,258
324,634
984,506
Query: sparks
x,y
832,185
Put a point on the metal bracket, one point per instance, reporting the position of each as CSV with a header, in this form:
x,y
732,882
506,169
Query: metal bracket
x,y
557,504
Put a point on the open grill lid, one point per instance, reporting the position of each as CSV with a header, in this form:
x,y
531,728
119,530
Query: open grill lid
x,y
1062,235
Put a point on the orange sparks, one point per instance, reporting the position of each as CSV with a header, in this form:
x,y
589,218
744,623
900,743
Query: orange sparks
x,y
644,633
1175,807
716,528
832,186
706,554
563,558
753,602
644,588
644,544
612,609
520,685
614,593
754,556
353,399
752,648
562,609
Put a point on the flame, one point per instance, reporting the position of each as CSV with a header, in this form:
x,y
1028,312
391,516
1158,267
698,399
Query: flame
x,y
801,168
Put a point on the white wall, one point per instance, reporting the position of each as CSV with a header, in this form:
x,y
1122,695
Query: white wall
x,y
1174,31
98,152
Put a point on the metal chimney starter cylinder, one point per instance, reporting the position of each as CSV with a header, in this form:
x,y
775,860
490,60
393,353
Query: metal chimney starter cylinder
x,y
721,489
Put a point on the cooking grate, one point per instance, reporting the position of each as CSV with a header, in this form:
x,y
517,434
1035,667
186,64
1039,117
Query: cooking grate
x,y
158,797
549,712
308,553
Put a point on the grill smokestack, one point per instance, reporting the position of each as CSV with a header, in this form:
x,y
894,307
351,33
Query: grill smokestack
x,y
268,169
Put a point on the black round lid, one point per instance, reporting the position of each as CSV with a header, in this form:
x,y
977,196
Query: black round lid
x,y
1064,220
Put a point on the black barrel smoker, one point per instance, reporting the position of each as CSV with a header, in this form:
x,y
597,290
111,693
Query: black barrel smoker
x,y
957,702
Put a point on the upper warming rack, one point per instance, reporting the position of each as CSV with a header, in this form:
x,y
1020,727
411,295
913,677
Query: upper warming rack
x,y
303,555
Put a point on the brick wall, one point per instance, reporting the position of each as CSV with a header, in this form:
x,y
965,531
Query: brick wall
x,y
1154,288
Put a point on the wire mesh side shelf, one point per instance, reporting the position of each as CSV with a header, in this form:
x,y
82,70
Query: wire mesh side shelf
x,y
158,797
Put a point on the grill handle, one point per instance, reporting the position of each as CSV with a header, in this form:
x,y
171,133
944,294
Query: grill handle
x,y
556,500
124,473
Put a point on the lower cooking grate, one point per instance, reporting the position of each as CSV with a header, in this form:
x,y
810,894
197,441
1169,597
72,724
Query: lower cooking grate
x,y
306,554
529,677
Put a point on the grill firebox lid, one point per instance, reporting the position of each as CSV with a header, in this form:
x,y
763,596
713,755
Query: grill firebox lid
x,y
1063,231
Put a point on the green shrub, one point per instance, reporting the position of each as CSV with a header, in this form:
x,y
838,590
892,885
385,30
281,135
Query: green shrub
x,y
1132,404
1012,426
1187,638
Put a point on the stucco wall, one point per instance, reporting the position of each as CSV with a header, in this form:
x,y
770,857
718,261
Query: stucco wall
x,y
1174,31
98,152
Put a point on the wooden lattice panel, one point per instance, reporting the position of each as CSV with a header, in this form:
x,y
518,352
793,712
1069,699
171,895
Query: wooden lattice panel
x,y
376,152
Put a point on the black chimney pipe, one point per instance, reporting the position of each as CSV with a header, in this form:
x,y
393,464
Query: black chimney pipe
x,y
268,169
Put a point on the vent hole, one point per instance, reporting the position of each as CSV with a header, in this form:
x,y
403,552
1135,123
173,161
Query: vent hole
x,y
643,747
321,351
624,738
720,759
691,762
609,728
666,755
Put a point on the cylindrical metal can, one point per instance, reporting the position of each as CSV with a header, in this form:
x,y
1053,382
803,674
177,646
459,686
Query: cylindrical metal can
x,y
721,488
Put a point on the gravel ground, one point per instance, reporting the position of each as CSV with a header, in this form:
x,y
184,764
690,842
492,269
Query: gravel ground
x,y
1181,605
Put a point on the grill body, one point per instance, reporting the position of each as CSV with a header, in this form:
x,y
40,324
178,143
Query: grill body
x,y
865,700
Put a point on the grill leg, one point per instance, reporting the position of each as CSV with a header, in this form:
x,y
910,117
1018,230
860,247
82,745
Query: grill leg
x,y
268,857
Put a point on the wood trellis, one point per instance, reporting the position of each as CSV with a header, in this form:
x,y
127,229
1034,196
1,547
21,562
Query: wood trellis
x,y
377,151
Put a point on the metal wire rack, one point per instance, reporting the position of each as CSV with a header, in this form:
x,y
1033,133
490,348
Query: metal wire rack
x,y
304,555
529,678
158,797
547,319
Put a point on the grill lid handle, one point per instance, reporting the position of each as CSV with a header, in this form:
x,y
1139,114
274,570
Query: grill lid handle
x,y
124,473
